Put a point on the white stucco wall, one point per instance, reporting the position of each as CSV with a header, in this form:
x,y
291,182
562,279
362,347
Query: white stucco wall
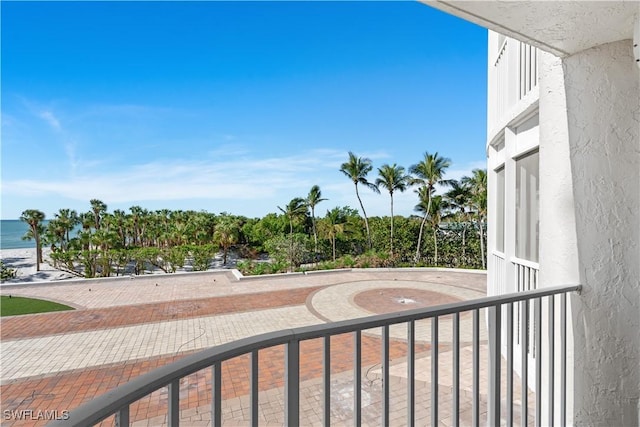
x,y
558,238
603,117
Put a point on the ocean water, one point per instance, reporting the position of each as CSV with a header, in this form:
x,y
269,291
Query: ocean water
x,y
11,232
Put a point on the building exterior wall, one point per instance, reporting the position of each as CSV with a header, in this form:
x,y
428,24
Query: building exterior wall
x,y
584,119
602,87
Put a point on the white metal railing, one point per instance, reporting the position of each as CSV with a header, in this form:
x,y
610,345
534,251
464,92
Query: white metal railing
x,y
119,400
526,279
499,278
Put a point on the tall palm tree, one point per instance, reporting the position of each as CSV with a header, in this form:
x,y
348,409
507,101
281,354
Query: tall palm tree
x,y
34,218
459,199
98,207
67,219
477,183
356,169
313,198
393,179
296,209
226,234
332,226
428,173
120,222
435,204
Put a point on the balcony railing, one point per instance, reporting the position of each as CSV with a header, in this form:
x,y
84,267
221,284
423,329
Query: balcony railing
x,y
499,319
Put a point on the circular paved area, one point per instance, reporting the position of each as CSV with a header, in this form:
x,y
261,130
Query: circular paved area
x,y
125,327
338,302
390,300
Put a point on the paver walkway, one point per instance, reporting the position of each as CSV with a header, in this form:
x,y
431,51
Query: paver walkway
x,y
126,327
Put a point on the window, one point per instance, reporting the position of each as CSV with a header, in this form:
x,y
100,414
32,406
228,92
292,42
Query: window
x,y
527,201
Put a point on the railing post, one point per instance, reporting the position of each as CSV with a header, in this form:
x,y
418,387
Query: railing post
x,y
455,416
254,383
563,359
326,380
434,371
551,325
509,402
122,417
537,326
524,363
174,404
357,379
216,391
292,384
385,375
493,399
475,407
411,364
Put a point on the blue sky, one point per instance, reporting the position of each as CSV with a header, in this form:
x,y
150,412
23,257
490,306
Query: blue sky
x,y
230,106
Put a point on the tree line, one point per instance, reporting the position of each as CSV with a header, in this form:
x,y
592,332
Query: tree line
x,y
448,230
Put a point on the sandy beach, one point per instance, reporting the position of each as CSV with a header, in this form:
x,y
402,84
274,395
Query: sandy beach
x,y
23,261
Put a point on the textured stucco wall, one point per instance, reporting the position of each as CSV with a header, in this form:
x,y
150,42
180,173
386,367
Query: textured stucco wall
x,y
603,112
558,237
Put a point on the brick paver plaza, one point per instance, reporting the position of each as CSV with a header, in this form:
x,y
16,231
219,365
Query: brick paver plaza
x,y
125,327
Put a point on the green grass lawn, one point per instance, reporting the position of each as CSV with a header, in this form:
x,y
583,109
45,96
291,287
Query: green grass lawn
x,y
18,305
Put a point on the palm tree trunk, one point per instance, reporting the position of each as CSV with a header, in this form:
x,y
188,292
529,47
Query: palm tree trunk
x,y
482,243
417,257
290,244
424,219
391,225
315,234
366,221
36,235
435,242
333,242
464,243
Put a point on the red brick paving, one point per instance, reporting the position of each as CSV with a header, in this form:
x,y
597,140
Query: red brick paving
x,y
68,390
386,300
91,319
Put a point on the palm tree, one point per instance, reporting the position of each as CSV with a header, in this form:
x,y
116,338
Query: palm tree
x,y
120,222
459,198
226,234
34,218
435,204
393,179
477,183
428,173
98,207
137,213
296,208
332,226
435,216
356,169
313,198
67,220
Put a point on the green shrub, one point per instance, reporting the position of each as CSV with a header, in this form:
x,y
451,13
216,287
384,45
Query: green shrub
x,y
6,273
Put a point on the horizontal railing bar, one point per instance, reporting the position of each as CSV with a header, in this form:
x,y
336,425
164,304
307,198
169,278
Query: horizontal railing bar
x,y
525,263
109,403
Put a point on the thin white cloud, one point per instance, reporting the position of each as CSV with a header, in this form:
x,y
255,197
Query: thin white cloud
x,y
240,179
51,120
